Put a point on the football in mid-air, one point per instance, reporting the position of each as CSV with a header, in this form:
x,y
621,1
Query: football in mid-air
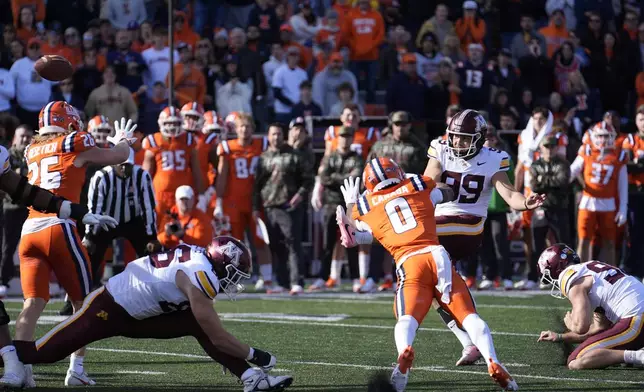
x,y
54,68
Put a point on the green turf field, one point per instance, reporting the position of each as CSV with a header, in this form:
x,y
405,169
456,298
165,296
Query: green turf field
x,y
336,342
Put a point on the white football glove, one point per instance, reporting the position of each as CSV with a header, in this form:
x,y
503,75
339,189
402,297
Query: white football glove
x,y
202,202
219,209
350,190
620,218
347,231
316,195
104,221
123,132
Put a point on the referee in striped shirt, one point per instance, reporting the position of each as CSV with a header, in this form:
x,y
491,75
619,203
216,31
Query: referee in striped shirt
x,y
125,193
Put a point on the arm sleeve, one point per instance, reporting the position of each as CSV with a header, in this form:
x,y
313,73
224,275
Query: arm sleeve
x,y
576,168
436,196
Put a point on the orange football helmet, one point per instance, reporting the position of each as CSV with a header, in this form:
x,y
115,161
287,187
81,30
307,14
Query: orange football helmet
x,y
170,122
212,122
59,117
229,121
100,128
192,114
380,173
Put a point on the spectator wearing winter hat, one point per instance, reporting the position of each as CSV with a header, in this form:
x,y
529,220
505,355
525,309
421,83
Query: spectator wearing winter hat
x,y
264,17
325,83
182,30
365,32
189,81
471,28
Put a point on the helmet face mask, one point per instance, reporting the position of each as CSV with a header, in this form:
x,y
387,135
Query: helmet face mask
x,y
603,136
170,122
380,173
231,263
465,134
552,262
192,123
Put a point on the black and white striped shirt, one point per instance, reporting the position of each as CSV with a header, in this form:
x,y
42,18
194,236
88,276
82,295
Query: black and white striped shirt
x,y
123,198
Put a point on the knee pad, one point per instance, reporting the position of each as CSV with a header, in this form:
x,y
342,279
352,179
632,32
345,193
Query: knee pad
x,y
4,317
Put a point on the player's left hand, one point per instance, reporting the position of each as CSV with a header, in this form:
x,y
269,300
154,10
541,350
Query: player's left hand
x,y
104,221
548,336
350,190
620,218
123,131
534,200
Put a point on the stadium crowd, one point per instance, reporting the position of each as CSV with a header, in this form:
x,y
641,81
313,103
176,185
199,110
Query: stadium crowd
x,y
541,72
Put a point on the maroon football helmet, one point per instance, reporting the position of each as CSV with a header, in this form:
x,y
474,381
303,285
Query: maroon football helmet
x,y
466,125
231,262
552,262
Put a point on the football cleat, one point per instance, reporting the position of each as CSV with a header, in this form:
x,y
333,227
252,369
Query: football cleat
x,y
356,285
369,286
14,376
332,283
400,375
486,284
469,356
296,289
74,379
387,285
508,284
259,381
259,285
501,376
29,377
273,288
470,281
318,285
525,284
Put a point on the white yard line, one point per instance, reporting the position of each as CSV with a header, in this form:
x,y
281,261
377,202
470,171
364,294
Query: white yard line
x,y
439,369
141,372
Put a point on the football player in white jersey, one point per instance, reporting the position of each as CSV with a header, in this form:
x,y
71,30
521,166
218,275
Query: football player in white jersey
x,y
19,189
613,333
473,171
165,296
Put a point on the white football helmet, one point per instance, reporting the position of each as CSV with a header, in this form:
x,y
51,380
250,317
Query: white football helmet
x,y
170,122
603,135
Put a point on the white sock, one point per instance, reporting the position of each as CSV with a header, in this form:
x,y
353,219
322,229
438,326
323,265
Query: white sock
x,y
266,270
405,332
630,356
363,264
480,334
76,363
461,335
9,357
336,269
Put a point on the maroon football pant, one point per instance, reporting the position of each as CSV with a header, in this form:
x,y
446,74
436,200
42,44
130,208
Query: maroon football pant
x,y
101,317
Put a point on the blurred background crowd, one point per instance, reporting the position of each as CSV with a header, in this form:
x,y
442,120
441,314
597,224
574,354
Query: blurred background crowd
x,y
384,75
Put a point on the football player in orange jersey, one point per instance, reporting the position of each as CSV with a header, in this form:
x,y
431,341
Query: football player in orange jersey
x,y
213,131
194,119
399,213
56,161
100,129
19,189
634,147
605,179
363,140
237,160
171,159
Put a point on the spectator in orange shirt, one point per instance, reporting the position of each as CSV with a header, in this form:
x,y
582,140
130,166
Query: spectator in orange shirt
x,y
38,6
364,30
183,32
286,36
72,42
471,28
342,7
556,32
189,81
54,46
26,25
184,224
330,31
